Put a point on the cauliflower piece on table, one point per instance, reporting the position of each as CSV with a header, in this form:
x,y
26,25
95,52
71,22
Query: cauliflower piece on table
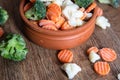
x,y
93,57
102,22
118,76
71,69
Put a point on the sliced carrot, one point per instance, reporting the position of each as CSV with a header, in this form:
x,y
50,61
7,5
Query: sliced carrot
x,y
66,26
45,22
65,56
102,68
94,48
84,16
50,27
107,54
27,6
1,32
60,22
91,7
32,1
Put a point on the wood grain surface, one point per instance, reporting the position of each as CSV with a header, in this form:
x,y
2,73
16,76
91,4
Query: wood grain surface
x,y
42,63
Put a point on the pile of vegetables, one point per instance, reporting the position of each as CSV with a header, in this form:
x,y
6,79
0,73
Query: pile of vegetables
x,y
59,14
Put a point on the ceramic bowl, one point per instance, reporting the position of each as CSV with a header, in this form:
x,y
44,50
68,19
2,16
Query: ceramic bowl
x,y
58,39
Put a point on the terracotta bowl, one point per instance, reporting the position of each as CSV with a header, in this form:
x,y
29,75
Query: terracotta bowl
x,y
58,39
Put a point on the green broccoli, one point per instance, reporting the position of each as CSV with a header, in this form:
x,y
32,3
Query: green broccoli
x,y
13,47
83,3
37,12
3,16
114,3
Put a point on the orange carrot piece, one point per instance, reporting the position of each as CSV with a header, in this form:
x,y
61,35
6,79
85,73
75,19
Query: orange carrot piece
x,y
27,6
60,22
94,48
102,68
45,22
32,1
91,7
107,54
65,56
84,16
66,26
50,27
1,32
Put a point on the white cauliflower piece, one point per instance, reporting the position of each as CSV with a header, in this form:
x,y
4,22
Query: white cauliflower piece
x,y
118,76
89,15
75,22
69,10
71,69
66,3
93,57
47,3
102,22
59,2
77,14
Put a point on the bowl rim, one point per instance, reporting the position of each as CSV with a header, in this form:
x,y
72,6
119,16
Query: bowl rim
x,y
59,32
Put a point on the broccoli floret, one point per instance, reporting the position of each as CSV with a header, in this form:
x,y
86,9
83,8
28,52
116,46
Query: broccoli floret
x,y
37,12
114,3
13,47
3,16
83,3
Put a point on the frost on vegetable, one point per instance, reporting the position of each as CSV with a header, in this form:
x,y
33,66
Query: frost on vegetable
x,y
13,47
71,69
37,12
102,22
3,16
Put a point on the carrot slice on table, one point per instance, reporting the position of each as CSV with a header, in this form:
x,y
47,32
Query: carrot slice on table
x,y
27,6
91,7
95,49
65,56
107,54
102,68
1,32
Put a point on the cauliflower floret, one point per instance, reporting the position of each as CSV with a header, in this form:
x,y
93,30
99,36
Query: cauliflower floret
x,y
71,69
75,22
119,76
102,22
69,10
93,57
59,2
77,14
89,15
66,3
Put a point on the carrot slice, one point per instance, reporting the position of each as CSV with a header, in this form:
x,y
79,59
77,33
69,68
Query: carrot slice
x,y
91,7
1,32
60,22
65,56
95,49
45,22
102,68
107,54
27,6
50,27
84,16
66,26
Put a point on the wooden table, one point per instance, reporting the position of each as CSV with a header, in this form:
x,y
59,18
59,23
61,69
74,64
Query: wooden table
x,y
42,63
